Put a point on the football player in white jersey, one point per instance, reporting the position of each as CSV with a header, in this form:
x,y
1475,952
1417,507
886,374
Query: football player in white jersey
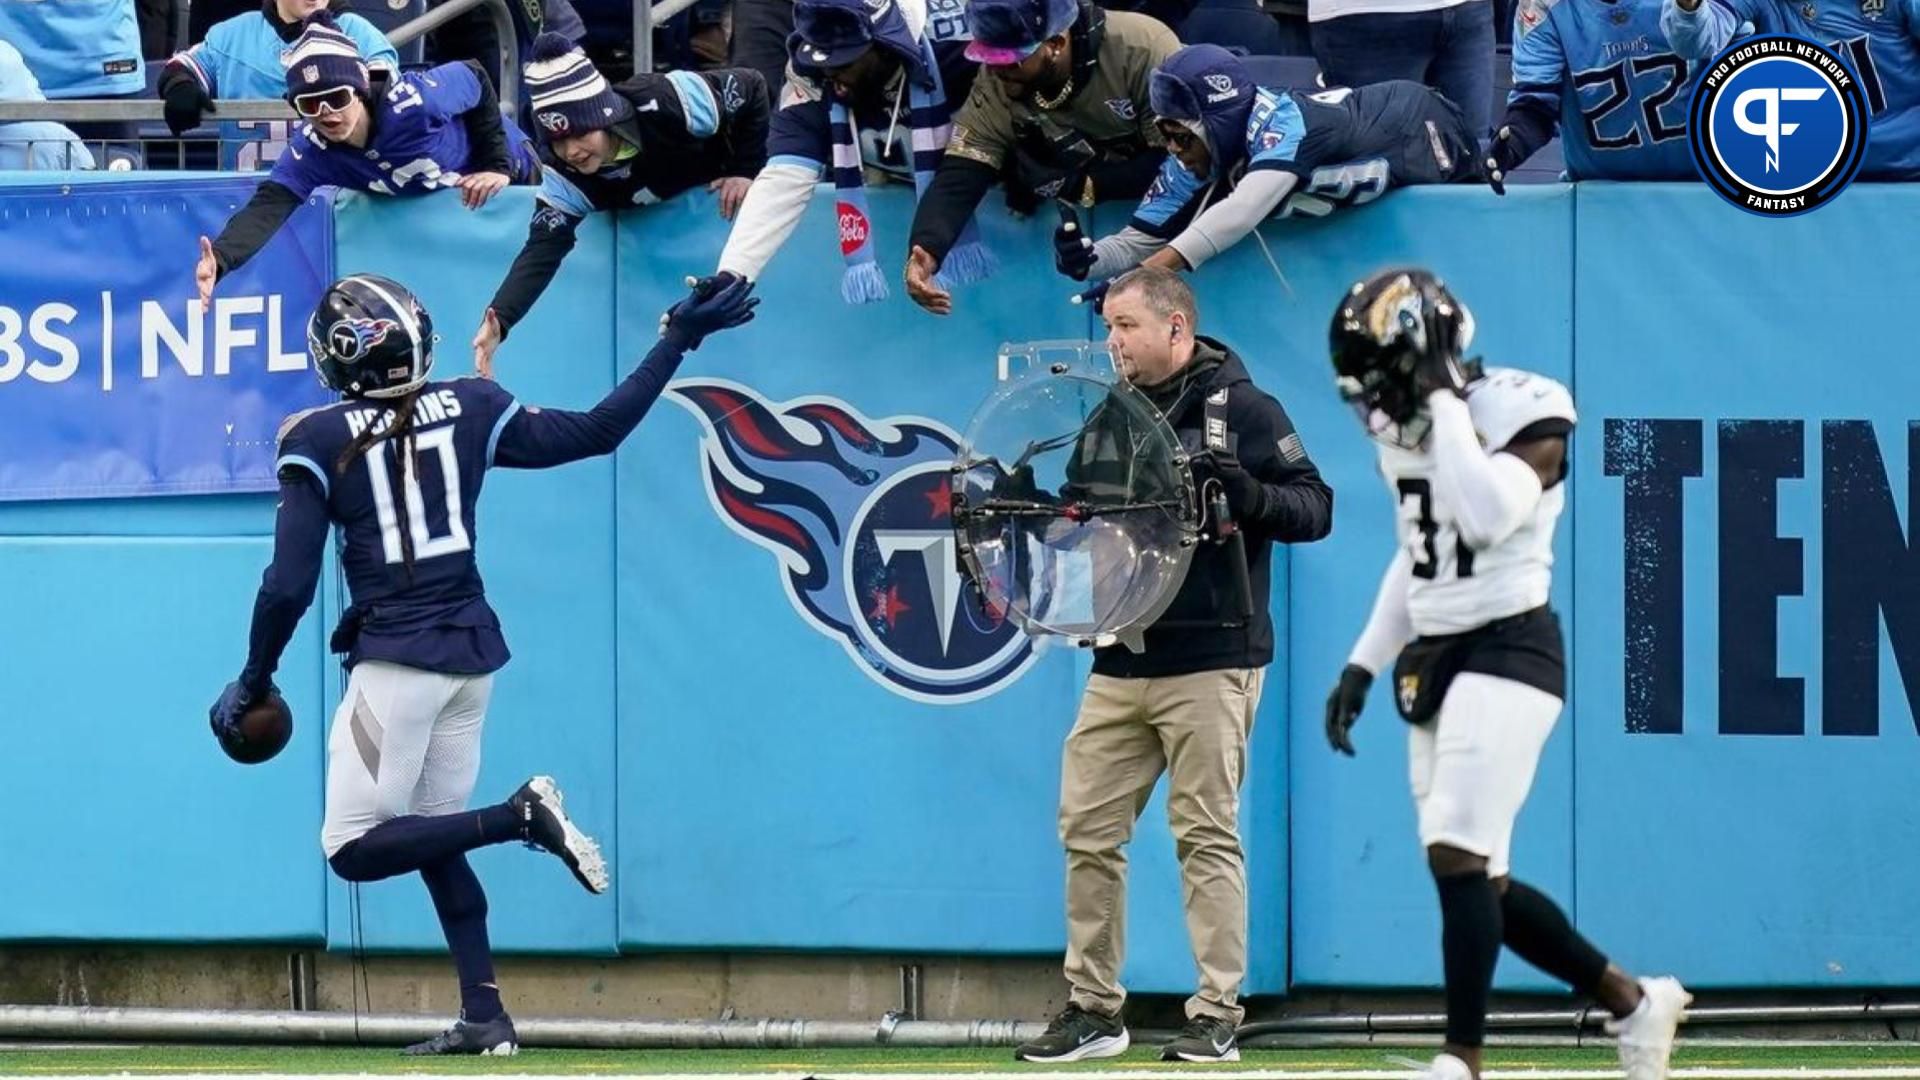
x,y
1475,458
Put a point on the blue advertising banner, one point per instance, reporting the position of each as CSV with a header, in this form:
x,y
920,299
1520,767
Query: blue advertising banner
x,y
113,381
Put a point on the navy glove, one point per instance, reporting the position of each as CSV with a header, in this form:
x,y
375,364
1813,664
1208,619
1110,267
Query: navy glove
x,y
1344,704
1072,251
234,701
185,102
720,302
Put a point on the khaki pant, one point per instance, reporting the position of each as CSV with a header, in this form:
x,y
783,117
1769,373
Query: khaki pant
x,y
1194,728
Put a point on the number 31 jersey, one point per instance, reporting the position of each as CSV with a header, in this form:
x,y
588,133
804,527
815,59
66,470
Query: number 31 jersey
x,y
1456,588
436,616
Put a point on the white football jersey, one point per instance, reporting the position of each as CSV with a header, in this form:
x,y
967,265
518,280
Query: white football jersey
x,y
1456,588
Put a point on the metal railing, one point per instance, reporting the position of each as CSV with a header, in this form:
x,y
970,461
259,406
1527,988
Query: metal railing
x,y
503,31
123,110
646,16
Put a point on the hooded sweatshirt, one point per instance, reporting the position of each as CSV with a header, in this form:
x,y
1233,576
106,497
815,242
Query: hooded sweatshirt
x,y
1210,626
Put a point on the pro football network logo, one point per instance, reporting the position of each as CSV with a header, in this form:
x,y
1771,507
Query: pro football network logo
x,y
1778,125
857,513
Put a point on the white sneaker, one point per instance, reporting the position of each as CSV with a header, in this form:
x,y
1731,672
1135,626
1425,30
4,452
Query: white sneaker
x,y
1447,1067
1646,1036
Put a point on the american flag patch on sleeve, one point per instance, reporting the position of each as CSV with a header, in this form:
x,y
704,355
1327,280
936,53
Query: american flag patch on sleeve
x,y
1292,451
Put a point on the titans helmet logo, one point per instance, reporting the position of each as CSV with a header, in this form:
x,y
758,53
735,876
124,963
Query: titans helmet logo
x,y
857,515
350,338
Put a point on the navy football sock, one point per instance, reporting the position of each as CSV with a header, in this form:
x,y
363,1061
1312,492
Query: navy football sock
x,y
1470,947
1538,931
462,907
405,844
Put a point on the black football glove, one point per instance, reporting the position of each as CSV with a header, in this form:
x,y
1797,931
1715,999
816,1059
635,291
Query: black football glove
x,y
1503,156
186,102
1072,251
1344,704
1440,368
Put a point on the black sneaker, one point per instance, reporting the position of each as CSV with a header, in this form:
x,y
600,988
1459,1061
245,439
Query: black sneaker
x,y
545,825
1077,1035
1205,1038
496,1037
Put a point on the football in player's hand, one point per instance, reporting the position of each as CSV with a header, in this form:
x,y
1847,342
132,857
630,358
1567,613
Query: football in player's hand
x,y
263,731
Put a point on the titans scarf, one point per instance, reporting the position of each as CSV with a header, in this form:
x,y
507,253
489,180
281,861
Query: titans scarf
x,y
931,120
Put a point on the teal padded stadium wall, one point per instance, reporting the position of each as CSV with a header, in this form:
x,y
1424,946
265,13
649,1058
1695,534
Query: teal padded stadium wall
x,y
1717,801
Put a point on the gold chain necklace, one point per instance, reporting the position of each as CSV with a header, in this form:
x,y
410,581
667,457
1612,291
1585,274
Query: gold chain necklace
x,y
1056,101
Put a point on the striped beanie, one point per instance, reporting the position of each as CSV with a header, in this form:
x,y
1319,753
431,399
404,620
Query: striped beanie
x,y
569,96
324,57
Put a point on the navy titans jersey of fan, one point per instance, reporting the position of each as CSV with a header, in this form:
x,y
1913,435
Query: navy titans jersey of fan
x,y
1606,69
435,617
1875,37
1345,146
418,142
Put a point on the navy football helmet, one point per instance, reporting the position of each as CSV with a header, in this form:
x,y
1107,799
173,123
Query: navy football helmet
x,y
369,337
1388,329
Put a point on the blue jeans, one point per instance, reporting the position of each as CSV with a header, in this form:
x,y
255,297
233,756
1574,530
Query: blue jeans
x,y
1450,50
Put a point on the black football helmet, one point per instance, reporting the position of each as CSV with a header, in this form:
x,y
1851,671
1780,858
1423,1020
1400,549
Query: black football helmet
x,y
369,337
1386,329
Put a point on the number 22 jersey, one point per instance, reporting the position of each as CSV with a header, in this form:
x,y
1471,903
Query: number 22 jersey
x,y
1620,89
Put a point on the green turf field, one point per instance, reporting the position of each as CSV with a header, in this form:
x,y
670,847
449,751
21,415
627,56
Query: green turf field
x,y
1886,1060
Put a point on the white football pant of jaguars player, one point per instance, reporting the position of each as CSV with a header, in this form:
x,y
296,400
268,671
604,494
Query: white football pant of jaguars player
x,y
1475,460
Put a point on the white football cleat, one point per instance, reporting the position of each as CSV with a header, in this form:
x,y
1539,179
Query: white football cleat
x,y
1443,1067
545,825
1646,1035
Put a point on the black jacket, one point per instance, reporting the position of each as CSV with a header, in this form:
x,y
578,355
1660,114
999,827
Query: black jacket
x,y
1298,508
672,158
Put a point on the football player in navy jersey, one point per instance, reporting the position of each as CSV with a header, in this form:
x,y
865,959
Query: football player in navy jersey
x,y
397,466
426,130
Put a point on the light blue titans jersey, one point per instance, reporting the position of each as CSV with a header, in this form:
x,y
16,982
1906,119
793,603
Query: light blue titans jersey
x,y
1620,89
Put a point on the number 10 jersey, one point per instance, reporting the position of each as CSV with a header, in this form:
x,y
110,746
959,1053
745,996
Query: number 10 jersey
x,y
433,615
